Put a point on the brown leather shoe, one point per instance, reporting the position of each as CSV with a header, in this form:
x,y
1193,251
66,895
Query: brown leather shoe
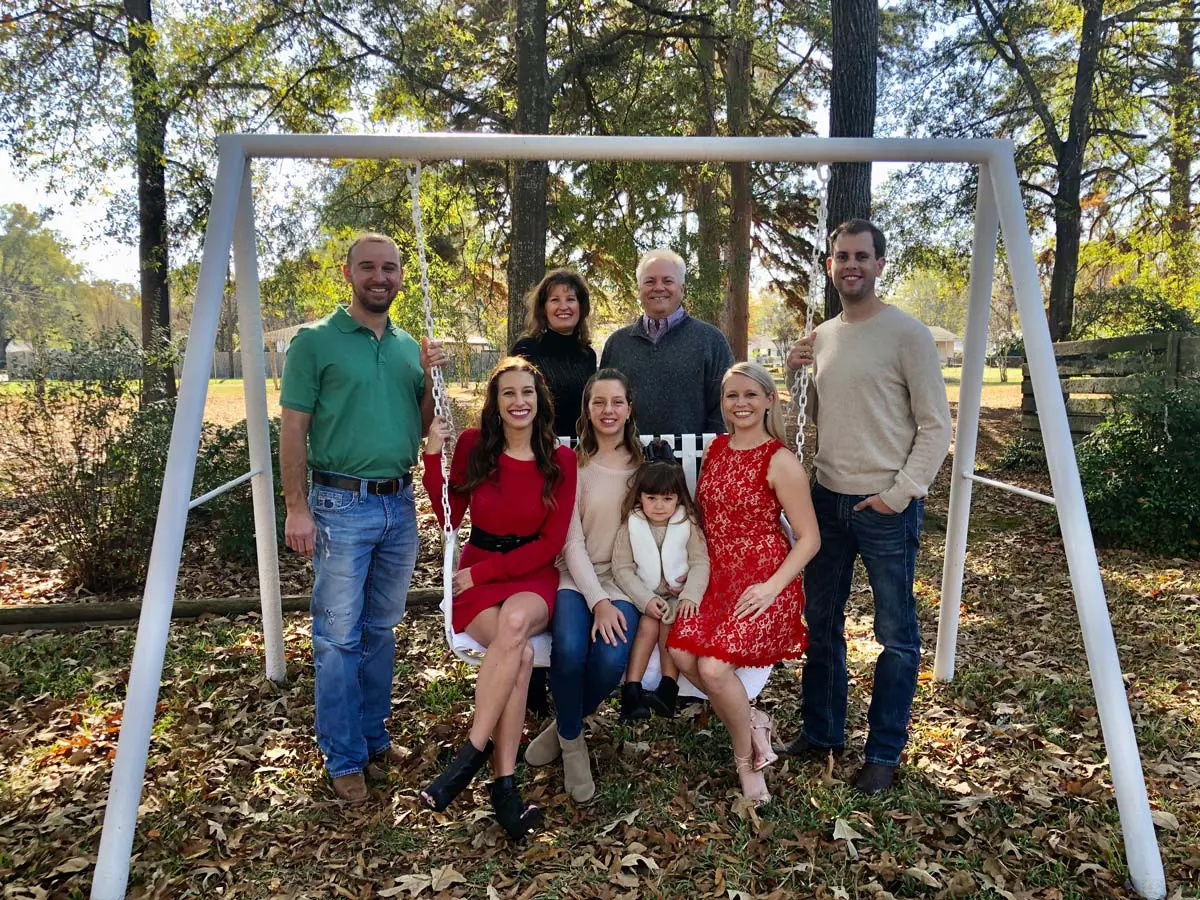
x,y
351,788
379,764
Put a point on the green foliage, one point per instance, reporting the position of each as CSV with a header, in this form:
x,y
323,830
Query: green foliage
x,y
1141,471
1127,310
1021,454
224,455
38,280
93,460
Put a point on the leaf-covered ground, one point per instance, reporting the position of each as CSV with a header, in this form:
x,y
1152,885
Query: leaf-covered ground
x,y
1005,790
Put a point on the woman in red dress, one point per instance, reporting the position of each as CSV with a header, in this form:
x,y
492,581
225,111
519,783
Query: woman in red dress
x,y
520,489
751,613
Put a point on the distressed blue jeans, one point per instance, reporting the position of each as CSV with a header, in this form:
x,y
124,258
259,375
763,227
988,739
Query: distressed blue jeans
x,y
583,672
887,545
364,558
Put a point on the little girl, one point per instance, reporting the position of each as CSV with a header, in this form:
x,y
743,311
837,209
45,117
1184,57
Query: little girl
x,y
659,560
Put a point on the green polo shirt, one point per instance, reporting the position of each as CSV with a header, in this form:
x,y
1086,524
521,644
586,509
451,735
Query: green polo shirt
x,y
363,393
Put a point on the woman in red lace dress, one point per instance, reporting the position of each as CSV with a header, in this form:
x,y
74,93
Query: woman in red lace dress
x,y
751,613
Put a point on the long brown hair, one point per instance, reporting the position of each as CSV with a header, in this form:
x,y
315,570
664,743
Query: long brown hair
x,y
588,446
660,474
484,459
535,304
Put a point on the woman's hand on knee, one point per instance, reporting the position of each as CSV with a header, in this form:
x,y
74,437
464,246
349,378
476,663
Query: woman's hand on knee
x,y
609,623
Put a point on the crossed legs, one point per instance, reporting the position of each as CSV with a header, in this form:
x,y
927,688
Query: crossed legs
x,y
727,695
502,686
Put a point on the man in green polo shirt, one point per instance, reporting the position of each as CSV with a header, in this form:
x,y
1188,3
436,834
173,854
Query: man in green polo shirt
x,y
356,402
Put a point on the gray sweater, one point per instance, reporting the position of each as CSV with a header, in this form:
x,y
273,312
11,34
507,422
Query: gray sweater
x,y
676,382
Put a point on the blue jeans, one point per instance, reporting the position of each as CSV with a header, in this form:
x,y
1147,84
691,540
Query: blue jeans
x,y
365,554
583,672
888,547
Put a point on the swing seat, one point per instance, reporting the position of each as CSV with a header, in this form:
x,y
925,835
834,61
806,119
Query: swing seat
x,y
690,449
753,679
462,644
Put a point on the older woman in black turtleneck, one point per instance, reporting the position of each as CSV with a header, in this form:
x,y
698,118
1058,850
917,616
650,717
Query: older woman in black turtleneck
x,y
556,341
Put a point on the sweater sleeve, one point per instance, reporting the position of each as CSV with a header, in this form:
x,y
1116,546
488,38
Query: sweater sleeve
x,y
432,478
720,359
698,567
553,534
927,394
579,564
625,571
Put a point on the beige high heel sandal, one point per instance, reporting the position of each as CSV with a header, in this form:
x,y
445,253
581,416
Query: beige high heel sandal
x,y
760,738
745,766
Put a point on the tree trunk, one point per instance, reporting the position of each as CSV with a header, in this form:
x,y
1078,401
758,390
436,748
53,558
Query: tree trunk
x,y
741,206
527,254
852,100
150,126
1067,211
704,294
1183,93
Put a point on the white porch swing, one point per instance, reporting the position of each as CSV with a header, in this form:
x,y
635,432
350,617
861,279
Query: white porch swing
x,y
998,207
690,452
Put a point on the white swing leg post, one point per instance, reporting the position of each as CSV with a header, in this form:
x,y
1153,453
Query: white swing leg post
x,y
129,768
1141,847
258,434
966,431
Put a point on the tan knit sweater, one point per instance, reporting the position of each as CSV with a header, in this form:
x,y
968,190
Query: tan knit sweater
x,y
883,423
585,565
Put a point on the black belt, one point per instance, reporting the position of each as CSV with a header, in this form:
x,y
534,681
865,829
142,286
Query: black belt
x,y
373,485
498,543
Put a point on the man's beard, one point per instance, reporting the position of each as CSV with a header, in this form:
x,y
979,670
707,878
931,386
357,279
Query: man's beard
x,y
374,304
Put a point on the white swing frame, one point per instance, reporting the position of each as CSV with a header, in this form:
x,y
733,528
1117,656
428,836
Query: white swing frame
x,y
998,208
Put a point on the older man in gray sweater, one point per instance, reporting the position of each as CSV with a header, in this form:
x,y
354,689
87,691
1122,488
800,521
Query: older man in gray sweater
x,y
674,362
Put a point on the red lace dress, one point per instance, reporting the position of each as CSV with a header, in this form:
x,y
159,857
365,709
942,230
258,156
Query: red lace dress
x,y
746,546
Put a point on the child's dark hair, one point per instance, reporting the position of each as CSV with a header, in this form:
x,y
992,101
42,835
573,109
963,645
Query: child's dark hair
x,y
660,474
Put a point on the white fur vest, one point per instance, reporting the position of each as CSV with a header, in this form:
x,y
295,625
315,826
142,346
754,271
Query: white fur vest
x,y
655,565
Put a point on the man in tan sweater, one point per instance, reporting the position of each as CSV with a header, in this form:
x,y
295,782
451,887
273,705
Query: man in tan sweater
x,y
883,425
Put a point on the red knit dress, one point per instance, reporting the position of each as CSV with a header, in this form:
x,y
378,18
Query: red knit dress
x,y
746,545
511,503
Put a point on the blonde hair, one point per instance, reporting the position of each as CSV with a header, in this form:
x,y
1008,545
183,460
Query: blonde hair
x,y
662,253
773,419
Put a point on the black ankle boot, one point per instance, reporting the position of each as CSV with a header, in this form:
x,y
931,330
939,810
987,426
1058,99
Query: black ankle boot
x,y
456,776
662,699
633,702
517,818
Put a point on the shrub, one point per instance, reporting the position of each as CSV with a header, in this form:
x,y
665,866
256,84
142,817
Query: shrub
x,y
1127,310
224,455
1021,454
93,460
1141,471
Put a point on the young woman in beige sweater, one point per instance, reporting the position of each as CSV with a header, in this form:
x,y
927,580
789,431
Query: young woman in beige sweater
x,y
594,620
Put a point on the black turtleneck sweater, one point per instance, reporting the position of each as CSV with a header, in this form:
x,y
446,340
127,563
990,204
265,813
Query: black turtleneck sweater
x,y
567,367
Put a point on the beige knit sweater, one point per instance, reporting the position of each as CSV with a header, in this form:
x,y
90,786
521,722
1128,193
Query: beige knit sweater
x,y
585,564
883,423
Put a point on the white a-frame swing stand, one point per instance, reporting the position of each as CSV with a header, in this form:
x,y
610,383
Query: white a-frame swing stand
x,y
999,207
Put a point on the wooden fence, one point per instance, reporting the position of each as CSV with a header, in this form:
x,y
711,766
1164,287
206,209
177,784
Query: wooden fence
x,y
1092,372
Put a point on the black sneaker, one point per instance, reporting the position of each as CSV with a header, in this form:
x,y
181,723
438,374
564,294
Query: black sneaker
x,y
803,748
662,699
874,778
633,702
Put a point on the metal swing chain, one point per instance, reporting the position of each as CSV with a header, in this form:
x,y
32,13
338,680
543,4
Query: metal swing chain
x,y
441,402
816,295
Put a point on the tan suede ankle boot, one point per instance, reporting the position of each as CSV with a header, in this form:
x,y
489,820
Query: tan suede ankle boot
x,y
544,748
577,769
